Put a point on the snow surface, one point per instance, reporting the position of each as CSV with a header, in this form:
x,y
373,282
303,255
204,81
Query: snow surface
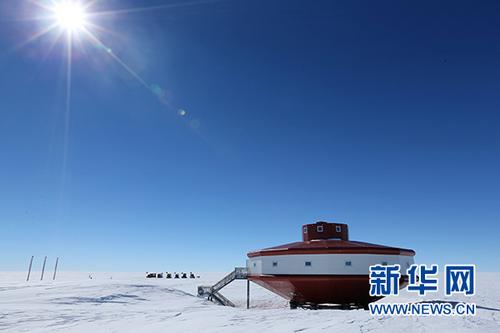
x,y
128,302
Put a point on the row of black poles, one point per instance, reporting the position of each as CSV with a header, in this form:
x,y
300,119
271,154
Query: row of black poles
x,y
43,268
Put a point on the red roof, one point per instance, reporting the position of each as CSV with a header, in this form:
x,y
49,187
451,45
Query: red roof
x,y
330,246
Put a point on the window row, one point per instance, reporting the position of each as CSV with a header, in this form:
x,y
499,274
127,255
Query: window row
x,y
346,263
320,228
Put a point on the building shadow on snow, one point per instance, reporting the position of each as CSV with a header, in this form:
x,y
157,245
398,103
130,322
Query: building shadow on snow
x,y
115,298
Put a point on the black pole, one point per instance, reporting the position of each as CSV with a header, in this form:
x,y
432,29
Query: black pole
x,y
248,294
29,269
55,268
43,267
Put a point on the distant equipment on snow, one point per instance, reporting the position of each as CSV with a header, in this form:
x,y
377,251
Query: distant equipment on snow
x,y
174,275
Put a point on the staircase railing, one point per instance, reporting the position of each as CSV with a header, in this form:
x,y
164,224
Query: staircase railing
x,y
212,292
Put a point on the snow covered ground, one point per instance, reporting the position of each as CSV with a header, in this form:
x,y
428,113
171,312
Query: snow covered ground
x,y
127,302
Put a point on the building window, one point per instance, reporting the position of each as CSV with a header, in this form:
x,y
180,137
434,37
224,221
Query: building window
x,y
319,228
338,228
348,263
254,265
305,230
275,264
308,263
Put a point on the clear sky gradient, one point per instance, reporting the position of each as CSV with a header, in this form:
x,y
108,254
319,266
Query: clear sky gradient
x,y
381,114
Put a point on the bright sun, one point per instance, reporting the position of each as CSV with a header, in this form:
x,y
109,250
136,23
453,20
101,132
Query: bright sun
x,y
70,15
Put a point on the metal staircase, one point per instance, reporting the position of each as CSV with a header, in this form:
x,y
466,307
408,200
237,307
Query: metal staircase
x,y
212,292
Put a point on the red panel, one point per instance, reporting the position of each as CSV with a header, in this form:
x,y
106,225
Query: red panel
x,y
321,289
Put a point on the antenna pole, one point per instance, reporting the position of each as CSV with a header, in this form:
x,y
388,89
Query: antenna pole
x,y
29,269
248,294
43,267
55,268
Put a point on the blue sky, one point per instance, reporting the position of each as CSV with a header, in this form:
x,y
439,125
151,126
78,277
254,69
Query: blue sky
x,y
383,115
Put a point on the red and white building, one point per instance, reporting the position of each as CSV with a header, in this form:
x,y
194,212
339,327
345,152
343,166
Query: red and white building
x,y
325,268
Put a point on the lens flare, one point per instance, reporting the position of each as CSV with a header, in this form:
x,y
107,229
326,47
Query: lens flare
x,y
69,15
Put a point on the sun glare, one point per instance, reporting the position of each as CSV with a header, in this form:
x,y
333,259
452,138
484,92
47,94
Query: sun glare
x,y
70,15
